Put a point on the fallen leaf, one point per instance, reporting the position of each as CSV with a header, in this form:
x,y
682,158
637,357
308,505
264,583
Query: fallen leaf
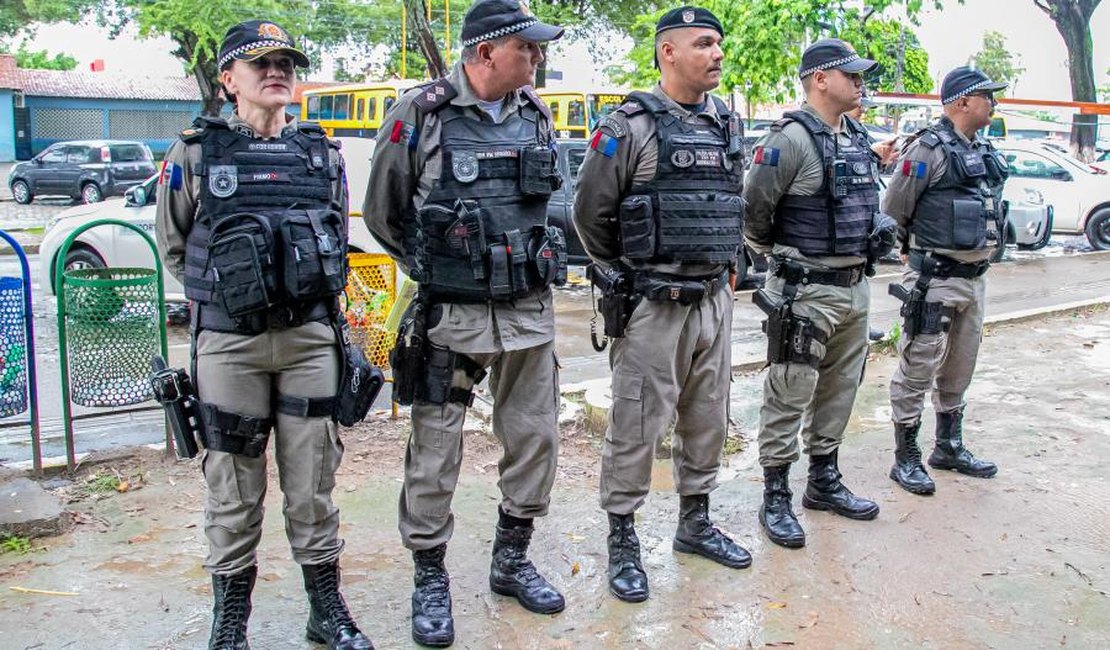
x,y
123,486
776,604
575,568
138,539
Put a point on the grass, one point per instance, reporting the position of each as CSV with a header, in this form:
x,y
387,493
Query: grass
x,y
15,544
102,483
889,343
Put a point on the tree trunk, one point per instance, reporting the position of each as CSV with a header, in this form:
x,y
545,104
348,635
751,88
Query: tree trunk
x,y
425,40
1073,21
205,72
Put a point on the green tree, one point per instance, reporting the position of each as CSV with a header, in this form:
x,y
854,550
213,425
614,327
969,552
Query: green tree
x,y
1073,21
764,40
40,59
996,61
20,16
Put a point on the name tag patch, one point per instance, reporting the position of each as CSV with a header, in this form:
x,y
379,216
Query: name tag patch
x,y
265,177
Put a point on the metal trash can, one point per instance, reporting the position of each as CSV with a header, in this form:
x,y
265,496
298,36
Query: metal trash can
x,y
13,348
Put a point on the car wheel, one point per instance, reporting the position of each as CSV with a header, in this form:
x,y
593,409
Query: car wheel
x,y
83,258
1098,230
90,193
21,192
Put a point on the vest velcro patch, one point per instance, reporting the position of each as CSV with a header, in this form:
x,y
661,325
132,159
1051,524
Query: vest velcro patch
x,y
603,144
172,175
914,168
766,156
404,133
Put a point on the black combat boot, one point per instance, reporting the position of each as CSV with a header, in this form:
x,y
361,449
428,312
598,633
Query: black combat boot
x,y
950,452
232,595
627,579
513,574
432,624
697,534
329,621
776,515
824,491
908,470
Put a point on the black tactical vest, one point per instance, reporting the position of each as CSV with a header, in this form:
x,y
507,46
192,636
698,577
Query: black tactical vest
x,y
837,219
692,210
268,235
963,211
482,233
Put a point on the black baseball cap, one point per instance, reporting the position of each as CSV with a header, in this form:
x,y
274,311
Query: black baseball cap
x,y
254,38
490,19
965,80
687,16
829,53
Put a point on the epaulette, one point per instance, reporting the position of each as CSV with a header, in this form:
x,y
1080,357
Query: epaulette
x,y
648,101
629,109
200,125
311,129
928,137
434,95
533,97
780,124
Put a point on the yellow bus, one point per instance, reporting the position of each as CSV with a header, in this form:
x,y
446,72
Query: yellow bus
x,y
355,110
576,113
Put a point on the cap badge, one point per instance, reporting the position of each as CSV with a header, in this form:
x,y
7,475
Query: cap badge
x,y
688,16
270,30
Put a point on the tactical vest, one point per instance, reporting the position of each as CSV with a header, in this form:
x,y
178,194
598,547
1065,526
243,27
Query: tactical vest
x,y
691,211
482,234
963,211
837,219
268,239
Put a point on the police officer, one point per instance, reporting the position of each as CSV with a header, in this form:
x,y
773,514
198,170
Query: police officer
x,y
238,201
458,193
946,197
812,198
658,203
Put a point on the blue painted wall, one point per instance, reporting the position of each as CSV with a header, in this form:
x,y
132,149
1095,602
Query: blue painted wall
x,y
157,145
7,126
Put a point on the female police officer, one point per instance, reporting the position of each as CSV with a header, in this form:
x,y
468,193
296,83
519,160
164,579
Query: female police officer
x,y
252,219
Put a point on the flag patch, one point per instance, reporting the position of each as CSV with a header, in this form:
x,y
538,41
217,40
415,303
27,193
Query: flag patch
x,y
603,144
914,168
404,133
766,156
172,175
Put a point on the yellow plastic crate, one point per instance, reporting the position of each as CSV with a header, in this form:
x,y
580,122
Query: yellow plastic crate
x,y
371,292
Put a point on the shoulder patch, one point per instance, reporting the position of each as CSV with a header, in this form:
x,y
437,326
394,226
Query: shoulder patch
x,y
628,109
191,134
768,156
404,133
605,145
915,169
618,128
172,175
928,138
434,95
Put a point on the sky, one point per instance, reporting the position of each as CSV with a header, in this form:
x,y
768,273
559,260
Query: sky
x,y
950,36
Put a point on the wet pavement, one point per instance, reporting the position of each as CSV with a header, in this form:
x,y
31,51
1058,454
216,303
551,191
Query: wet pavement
x,y
1021,560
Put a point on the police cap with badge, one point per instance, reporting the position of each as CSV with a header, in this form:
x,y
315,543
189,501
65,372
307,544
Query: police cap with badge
x,y
833,53
490,19
252,39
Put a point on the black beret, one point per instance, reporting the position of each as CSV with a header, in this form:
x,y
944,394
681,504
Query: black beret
x,y
254,38
490,19
829,53
688,17
964,80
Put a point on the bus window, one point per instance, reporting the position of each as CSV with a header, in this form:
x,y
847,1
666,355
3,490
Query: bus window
x,y
360,107
371,110
555,112
576,112
389,101
313,107
342,107
326,107
602,105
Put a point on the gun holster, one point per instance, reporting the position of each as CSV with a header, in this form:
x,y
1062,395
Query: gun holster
x,y
616,303
175,392
789,336
359,384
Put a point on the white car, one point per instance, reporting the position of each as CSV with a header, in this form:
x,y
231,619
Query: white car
x,y
1078,192
116,246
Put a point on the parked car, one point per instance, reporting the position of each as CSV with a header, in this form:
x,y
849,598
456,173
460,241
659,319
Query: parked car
x,y
115,246
86,170
1078,192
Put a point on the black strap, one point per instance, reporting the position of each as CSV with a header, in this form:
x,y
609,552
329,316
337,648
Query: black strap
x,y
234,433
795,273
306,407
945,267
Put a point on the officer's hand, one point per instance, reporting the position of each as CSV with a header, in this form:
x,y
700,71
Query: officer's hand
x,y
885,151
905,258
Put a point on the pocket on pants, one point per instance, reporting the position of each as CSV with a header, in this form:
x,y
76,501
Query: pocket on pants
x,y
627,420
330,459
233,479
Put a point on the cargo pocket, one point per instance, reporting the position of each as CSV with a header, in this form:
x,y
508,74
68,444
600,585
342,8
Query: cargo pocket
x,y
969,230
637,224
627,417
233,481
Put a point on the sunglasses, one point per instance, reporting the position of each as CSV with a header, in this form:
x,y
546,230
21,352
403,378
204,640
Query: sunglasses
x,y
987,96
282,63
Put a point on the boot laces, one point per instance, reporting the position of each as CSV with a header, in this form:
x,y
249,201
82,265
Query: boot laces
x,y
627,547
331,601
232,617
435,588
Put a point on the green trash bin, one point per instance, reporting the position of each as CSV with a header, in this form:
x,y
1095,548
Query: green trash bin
x,y
113,329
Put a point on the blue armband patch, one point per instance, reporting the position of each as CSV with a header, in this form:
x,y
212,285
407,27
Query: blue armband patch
x,y
914,168
604,145
404,133
766,156
172,175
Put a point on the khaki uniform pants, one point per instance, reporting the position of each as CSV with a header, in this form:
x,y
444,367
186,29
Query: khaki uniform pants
x,y
241,374
524,385
944,362
817,401
673,359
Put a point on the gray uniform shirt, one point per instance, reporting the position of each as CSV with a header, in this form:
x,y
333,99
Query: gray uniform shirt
x,y
905,190
401,178
800,172
178,202
603,181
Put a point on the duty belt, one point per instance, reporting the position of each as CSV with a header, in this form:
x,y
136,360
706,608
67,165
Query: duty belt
x,y
796,273
262,321
940,266
677,288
